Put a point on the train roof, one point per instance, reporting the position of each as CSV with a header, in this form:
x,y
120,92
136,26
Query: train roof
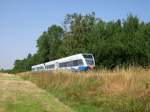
x,y
38,65
72,57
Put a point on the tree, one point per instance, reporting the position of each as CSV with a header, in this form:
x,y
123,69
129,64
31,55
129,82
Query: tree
x,y
77,39
49,43
113,43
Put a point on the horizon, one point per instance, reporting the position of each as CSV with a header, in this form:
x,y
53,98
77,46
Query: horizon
x,y
22,22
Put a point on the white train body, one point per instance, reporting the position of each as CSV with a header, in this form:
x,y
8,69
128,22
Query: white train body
x,y
78,62
38,67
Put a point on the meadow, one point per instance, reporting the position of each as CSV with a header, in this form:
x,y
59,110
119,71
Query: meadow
x,y
118,90
18,95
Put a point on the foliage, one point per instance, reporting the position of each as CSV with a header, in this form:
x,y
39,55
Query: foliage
x,y
114,43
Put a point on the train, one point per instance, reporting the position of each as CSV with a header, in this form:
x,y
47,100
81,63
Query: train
x,y
77,62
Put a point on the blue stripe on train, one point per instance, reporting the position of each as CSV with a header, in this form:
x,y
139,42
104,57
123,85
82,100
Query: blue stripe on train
x,y
83,68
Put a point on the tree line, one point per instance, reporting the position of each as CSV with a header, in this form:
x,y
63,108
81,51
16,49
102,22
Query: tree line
x,y
120,43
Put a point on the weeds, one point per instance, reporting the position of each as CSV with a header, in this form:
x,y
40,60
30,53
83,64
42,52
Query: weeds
x,y
120,90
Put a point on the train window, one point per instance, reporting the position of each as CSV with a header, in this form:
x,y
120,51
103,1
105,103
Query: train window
x,y
49,66
77,62
80,62
71,63
40,68
62,64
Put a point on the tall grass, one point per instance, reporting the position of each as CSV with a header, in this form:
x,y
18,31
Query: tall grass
x,y
120,90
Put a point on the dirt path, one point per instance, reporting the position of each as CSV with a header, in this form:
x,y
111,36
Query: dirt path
x,y
17,95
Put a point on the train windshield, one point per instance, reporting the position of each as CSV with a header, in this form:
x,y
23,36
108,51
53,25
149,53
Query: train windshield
x,y
89,59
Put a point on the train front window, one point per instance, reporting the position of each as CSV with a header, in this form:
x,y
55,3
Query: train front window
x,y
89,62
89,59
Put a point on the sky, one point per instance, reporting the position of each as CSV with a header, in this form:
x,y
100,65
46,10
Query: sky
x,y
23,21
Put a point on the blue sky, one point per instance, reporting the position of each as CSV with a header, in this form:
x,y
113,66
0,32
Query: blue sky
x,y
23,21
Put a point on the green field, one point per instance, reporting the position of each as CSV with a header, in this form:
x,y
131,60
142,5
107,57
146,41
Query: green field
x,y
17,95
120,90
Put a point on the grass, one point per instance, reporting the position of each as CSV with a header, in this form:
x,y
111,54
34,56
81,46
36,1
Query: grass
x,y
17,95
120,90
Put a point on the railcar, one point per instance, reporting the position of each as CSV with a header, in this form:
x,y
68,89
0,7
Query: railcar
x,y
78,62
38,67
